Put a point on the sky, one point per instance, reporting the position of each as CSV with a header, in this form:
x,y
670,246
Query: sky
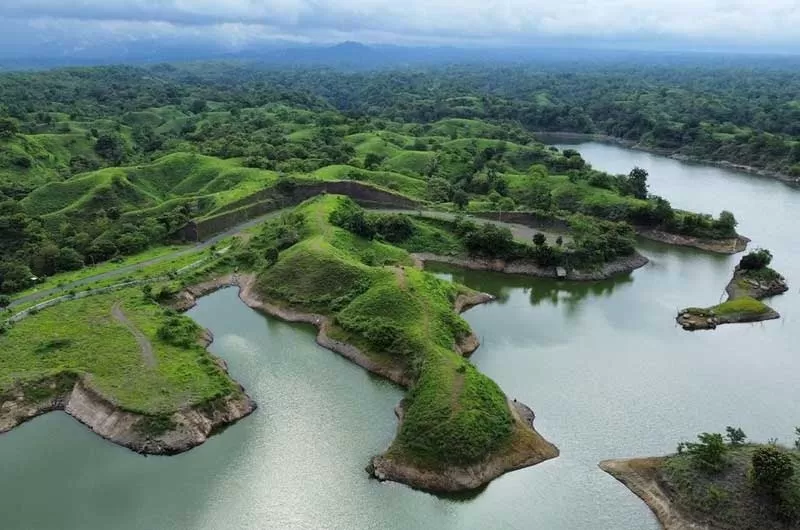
x,y
70,26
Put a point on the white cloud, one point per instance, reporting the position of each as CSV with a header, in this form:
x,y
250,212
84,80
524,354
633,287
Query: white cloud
x,y
502,21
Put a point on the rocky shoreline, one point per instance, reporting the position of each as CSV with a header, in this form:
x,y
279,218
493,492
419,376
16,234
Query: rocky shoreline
x,y
192,425
724,164
530,268
527,449
640,475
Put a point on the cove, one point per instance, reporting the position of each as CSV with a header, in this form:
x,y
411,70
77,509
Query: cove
x,y
603,364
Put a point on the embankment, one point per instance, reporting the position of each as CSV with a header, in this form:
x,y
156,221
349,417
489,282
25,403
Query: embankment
x,y
169,434
529,268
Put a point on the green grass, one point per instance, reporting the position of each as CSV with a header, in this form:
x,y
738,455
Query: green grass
x,y
745,305
80,337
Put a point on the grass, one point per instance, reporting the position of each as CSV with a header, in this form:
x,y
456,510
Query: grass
x,y
80,338
745,305
455,414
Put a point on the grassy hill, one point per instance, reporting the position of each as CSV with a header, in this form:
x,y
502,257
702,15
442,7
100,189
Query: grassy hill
x,y
398,315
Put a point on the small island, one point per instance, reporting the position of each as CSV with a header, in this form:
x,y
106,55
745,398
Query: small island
x,y
752,281
718,483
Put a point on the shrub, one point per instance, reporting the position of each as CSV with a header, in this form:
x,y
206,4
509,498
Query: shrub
x,y
772,468
709,453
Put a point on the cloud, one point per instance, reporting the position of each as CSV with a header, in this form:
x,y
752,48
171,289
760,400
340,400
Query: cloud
x,y
239,22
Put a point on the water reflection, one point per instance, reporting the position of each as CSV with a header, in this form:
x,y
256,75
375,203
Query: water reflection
x,y
539,290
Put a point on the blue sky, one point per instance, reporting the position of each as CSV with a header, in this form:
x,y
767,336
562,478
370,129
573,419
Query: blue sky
x,y
236,24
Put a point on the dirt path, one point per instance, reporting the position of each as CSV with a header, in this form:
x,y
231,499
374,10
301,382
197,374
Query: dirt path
x,y
144,343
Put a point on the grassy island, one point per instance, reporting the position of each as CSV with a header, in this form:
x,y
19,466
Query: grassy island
x,y
718,483
752,280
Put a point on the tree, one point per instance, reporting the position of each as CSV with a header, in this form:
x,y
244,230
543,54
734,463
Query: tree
x,y
460,198
756,260
559,241
5,301
68,259
373,160
111,146
539,239
735,436
637,182
727,222
772,468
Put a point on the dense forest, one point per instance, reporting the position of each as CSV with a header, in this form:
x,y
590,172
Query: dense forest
x,y
101,162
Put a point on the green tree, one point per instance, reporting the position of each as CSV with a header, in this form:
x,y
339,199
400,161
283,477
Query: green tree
x,y
539,239
735,435
460,198
756,260
373,160
637,182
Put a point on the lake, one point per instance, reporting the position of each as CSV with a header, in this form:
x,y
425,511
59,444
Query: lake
x,y
603,364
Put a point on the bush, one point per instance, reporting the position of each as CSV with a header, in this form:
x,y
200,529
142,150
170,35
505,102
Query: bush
x,y
179,331
394,227
772,468
756,260
707,455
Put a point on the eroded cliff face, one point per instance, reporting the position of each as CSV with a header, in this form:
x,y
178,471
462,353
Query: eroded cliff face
x,y
186,428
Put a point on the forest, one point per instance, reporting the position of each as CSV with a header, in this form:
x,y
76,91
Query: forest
x,y
101,162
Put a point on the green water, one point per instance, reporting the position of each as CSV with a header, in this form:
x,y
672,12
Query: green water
x,y
602,364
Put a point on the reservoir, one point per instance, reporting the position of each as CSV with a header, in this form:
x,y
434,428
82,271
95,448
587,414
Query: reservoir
x,y
603,364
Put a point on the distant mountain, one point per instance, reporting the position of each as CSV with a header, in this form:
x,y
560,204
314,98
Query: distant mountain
x,y
357,56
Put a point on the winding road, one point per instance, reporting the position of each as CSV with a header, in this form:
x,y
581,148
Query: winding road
x,y
521,232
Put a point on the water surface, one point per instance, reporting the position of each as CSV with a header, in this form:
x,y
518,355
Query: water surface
x,y
603,365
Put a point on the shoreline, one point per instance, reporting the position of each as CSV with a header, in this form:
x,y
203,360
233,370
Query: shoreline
x,y
640,476
668,153
729,246
528,268
451,479
193,425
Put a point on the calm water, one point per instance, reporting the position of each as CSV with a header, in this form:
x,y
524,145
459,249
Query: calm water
x,y
603,365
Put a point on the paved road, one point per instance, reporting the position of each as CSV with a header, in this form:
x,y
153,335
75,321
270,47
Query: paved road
x,y
127,269
521,232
